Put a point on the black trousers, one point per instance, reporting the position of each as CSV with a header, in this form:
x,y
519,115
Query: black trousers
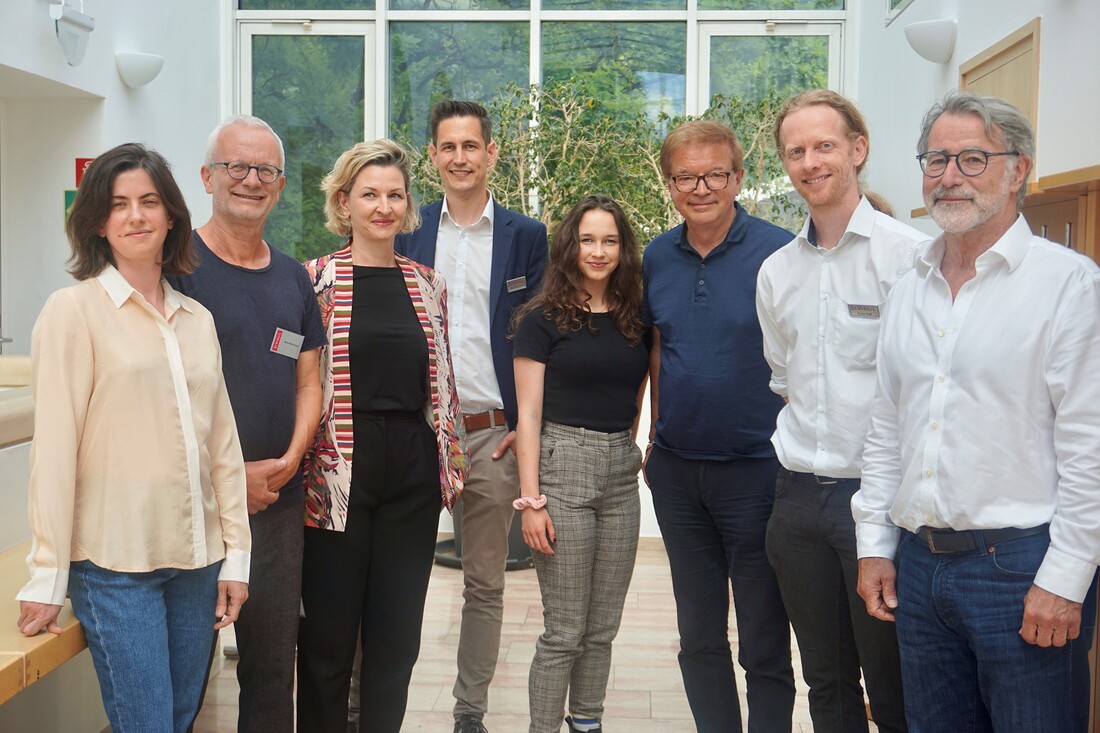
x,y
372,577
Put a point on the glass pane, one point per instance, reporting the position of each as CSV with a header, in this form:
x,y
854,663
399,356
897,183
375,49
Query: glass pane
x,y
460,4
771,4
752,67
306,4
434,61
628,67
614,4
310,90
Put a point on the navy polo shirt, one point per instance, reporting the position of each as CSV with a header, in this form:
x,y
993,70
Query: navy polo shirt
x,y
714,402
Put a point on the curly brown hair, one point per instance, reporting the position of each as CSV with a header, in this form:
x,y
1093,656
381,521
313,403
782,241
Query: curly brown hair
x,y
563,297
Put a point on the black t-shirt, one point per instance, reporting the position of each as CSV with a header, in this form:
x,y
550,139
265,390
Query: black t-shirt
x,y
248,305
387,348
592,379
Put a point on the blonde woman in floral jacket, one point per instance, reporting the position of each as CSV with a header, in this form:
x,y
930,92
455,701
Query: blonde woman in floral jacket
x,y
389,399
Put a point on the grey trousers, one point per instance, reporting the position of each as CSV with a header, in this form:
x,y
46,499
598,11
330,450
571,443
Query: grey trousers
x,y
486,518
590,480
267,629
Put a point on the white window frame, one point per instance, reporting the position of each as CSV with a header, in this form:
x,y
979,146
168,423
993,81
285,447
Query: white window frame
x,y
374,120
833,30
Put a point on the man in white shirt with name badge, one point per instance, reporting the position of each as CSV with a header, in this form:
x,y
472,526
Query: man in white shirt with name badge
x,y
820,301
983,458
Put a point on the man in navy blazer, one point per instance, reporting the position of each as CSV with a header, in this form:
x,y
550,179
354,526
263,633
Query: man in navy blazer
x,y
492,260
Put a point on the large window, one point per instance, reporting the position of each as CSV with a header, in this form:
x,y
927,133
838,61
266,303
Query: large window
x,y
434,60
326,73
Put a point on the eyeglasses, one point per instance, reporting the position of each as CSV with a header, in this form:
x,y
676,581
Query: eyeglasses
x,y
713,181
239,169
970,162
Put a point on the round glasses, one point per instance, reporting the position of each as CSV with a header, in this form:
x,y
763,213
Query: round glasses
x,y
970,162
239,170
713,181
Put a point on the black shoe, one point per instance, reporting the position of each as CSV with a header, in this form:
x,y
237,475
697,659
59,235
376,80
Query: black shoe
x,y
569,720
469,724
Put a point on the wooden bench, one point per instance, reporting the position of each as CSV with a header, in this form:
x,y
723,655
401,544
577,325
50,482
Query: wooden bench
x,y
25,660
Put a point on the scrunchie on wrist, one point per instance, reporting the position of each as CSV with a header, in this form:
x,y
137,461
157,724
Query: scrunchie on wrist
x,y
529,502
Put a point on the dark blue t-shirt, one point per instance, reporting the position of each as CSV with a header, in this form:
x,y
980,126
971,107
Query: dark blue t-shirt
x,y
248,305
714,402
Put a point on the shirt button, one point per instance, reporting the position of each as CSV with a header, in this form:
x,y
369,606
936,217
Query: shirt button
x,y
928,474
941,332
821,332
700,282
821,408
941,378
702,265
935,426
821,371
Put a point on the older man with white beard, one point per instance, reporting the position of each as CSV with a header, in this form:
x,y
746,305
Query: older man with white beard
x,y
981,475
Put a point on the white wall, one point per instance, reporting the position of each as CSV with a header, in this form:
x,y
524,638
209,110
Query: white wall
x,y
51,113
894,86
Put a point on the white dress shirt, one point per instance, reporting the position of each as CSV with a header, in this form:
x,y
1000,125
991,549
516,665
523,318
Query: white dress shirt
x,y
987,409
819,312
464,256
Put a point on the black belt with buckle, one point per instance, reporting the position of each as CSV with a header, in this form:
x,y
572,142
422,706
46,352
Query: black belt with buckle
x,y
942,541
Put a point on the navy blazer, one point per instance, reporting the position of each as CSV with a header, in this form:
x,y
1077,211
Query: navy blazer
x,y
519,250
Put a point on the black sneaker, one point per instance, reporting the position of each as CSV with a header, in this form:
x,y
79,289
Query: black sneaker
x,y
569,720
469,724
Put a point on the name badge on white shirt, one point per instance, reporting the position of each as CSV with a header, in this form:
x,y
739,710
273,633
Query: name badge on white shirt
x,y
287,343
516,283
862,311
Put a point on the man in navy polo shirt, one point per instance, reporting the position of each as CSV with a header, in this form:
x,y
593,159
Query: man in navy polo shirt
x,y
710,464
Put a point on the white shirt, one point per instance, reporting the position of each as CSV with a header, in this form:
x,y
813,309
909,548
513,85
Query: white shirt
x,y
819,312
987,410
464,256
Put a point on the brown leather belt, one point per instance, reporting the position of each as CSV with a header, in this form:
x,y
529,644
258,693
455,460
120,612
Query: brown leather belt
x,y
483,420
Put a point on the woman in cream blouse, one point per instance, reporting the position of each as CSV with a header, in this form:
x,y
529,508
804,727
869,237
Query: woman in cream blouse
x,y
137,489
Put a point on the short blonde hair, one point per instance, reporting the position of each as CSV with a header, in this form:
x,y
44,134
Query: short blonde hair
x,y
381,152
701,132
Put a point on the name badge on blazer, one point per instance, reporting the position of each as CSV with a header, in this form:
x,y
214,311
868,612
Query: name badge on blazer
x,y
287,343
863,311
516,284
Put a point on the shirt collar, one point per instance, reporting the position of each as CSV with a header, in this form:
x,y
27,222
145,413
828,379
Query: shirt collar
x,y
119,291
487,214
1010,248
861,224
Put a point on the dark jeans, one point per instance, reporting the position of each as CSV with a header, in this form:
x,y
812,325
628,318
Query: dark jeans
x,y
966,668
812,546
371,579
267,630
713,517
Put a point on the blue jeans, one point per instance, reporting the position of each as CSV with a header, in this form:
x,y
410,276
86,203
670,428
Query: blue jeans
x,y
965,667
713,517
150,636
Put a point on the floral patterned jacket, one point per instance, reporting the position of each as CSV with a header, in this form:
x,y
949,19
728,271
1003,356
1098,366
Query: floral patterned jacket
x,y
326,466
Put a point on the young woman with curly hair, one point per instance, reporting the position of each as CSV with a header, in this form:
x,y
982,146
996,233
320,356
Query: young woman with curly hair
x,y
581,358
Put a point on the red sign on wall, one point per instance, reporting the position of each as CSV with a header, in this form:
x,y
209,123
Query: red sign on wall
x,y
81,166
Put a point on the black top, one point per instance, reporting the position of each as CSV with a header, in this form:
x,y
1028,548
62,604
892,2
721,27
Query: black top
x,y
387,347
248,306
592,379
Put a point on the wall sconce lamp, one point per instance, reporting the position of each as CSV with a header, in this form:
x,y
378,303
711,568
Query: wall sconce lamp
x,y
933,40
138,69
73,28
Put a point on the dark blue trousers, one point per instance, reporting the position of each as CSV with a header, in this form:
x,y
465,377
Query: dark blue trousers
x,y
713,517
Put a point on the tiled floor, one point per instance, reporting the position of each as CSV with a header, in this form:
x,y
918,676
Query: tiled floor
x,y
645,693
